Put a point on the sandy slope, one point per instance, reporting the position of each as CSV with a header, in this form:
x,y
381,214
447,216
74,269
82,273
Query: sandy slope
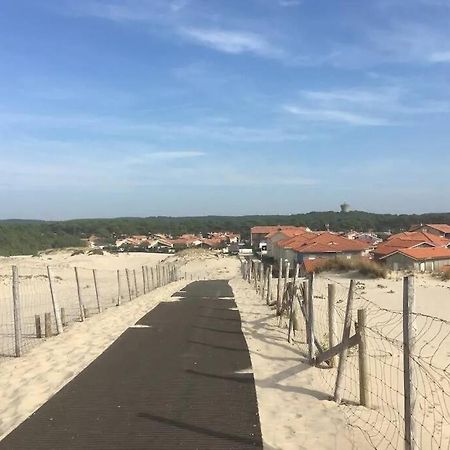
x,y
293,400
27,382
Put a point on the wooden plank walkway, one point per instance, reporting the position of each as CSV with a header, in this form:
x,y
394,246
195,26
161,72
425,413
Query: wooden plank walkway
x,y
181,378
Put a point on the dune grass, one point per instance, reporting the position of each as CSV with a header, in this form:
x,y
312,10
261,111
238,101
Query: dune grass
x,y
365,267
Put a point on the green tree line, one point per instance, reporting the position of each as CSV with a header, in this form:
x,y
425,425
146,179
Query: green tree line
x,y
29,237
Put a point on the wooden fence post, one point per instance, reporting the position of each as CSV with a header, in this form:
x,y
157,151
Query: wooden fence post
x,y
143,280
310,329
136,292
261,278
306,297
297,271
80,299
280,276
37,321
338,391
362,359
118,288
127,272
55,304
148,278
263,283
97,296
409,375
153,277
48,325
332,321
63,317
269,285
17,312
286,278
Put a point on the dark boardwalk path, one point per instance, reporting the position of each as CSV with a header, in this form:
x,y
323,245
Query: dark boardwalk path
x,y
180,380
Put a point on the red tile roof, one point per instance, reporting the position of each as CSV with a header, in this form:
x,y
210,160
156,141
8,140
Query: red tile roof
x,y
288,232
420,236
409,239
266,229
442,227
426,254
299,239
325,242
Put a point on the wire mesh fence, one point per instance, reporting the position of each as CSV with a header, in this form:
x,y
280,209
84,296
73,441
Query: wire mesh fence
x,y
405,406
39,302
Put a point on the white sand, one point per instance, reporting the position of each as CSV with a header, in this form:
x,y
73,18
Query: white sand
x,y
294,410
293,398
28,382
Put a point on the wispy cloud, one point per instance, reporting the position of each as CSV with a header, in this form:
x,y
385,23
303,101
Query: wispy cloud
x,y
375,106
126,128
232,41
288,3
165,156
329,115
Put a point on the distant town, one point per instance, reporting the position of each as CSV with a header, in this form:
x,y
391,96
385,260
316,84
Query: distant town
x,y
424,247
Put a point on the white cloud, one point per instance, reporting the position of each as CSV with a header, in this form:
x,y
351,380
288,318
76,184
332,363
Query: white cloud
x,y
339,116
231,41
440,57
166,156
288,3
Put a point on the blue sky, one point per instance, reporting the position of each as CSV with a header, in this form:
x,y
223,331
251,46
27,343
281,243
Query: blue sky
x,y
193,107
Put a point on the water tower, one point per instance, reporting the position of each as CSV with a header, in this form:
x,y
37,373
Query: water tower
x,y
345,207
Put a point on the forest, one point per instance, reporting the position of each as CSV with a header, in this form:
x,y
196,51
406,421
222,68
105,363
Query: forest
x,y
29,236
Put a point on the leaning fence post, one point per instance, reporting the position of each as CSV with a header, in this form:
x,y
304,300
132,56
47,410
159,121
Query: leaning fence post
x,y
97,296
136,292
80,299
305,297
56,308
362,359
127,272
310,301
296,272
143,280
338,391
409,376
17,312
118,288
332,321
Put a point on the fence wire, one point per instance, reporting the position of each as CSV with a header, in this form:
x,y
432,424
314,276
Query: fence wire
x,y
382,422
94,292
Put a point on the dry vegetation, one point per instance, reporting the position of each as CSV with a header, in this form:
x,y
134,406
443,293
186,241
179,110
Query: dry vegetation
x,y
365,267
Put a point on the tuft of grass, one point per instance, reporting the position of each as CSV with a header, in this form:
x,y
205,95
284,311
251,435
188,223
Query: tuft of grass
x,y
445,276
96,251
365,267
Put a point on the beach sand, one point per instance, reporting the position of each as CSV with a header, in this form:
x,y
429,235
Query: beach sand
x,y
293,397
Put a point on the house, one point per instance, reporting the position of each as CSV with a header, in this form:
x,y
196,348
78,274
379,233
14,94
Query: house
x,y
311,246
423,259
258,234
408,240
284,248
438,229
279,235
